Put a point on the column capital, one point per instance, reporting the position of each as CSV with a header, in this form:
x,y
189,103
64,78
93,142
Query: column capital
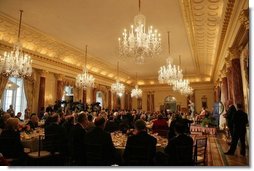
x,y
43,73
59,77
228,62
244,18
234,52
223,72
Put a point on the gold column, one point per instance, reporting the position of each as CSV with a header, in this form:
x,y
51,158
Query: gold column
x,y
237,85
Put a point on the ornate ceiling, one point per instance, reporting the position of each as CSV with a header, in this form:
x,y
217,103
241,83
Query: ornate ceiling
x,y
59,29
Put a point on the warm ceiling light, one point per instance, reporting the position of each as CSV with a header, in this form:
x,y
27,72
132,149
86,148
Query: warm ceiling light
x,y
136,92
141,83
139,42
16,63
103,73
118,87
95,69
110,75
152,82
85,79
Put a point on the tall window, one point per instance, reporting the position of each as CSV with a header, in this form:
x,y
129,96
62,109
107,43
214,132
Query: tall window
x,y
99,98
15,96
68,94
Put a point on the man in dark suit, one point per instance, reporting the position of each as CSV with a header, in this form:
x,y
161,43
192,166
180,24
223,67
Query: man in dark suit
x,y
77,140
229,116
140,146
100,150
55,136
240,120
180,147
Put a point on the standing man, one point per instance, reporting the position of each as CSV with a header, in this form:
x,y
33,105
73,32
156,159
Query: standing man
x,y
240,120
230,115
11,111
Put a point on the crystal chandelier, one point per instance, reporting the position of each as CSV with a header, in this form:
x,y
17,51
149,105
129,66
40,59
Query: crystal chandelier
x,y
183,87
139,43
16,63
85,79
136,92
118,87
169,74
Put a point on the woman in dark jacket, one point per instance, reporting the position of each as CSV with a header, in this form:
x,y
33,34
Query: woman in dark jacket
x,y
10,143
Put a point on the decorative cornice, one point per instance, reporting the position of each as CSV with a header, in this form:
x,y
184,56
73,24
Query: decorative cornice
x,y
62,53
223,72
228,63
234,52
227,17
244,18
59,77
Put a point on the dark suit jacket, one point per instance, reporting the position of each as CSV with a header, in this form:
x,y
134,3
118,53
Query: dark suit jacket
x,y
230,115
240,122
55,135
77,144
10,144
111,126
103,140
173,151
32,125
144,140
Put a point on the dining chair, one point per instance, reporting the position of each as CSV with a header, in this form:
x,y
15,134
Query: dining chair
x,y
200,151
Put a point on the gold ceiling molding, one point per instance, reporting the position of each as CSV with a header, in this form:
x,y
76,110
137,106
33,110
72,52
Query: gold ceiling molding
x,y
234,33
202,20
244,18
227,17
53,50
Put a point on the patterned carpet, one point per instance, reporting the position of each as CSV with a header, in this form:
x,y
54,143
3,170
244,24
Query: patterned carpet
x,y
216,147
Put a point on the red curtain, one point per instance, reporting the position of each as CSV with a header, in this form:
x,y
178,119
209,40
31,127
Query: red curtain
x,y
59,90
41,100
109,100
152,102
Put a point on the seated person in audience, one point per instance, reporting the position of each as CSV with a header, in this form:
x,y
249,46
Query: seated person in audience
x,y
18,116
11,111
143,117
56,136
68,124
77,140
10,143
140,139
98,136
160,124
111,125
201,115
187,124
4,119
90,125
180,148
175,118
33,122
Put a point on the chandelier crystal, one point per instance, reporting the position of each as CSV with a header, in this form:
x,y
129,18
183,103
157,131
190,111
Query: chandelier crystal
x,y
118,87
16,63
85,79
136,92
140,43
183,87
169,74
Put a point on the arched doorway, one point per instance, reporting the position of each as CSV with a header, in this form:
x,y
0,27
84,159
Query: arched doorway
x,y
170,104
